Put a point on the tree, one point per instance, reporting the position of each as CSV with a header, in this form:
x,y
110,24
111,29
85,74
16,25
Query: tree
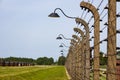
x,y
44,61
103,60
51,61
19,59
61,60
118,54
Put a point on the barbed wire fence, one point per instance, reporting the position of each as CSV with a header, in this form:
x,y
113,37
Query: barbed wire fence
x,y
76,59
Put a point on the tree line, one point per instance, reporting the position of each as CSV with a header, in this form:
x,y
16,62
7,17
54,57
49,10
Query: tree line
x,y
103,59
45,61
18,61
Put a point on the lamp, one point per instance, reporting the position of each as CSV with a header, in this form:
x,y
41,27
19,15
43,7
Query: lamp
x,y
62,44
59,37
55,15
78,20
61,51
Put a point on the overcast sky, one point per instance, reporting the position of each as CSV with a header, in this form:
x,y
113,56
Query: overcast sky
x,y
27,31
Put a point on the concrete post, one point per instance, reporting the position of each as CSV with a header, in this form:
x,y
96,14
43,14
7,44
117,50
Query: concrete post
x,y
111,46
87,68
96,16
82,54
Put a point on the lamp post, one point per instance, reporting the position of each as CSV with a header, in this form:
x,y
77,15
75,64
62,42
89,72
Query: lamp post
x,y
62,50
96,16
59,37
78,20
62,44
55,15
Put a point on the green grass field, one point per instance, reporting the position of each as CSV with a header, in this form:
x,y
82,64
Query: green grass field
x,y
33,73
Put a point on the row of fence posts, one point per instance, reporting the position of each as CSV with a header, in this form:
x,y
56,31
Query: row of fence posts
x,y
78,61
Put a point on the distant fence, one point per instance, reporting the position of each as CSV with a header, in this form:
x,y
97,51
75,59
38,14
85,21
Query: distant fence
x,y
81,62
14,63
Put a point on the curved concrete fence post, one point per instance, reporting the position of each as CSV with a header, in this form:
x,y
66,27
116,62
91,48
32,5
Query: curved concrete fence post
x,y
82,53
96,16
87,43
78,56
111,45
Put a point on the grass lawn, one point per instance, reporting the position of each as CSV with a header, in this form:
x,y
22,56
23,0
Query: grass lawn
x,y
33,73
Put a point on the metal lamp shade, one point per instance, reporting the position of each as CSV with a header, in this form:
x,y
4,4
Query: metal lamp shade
x,y
54,15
